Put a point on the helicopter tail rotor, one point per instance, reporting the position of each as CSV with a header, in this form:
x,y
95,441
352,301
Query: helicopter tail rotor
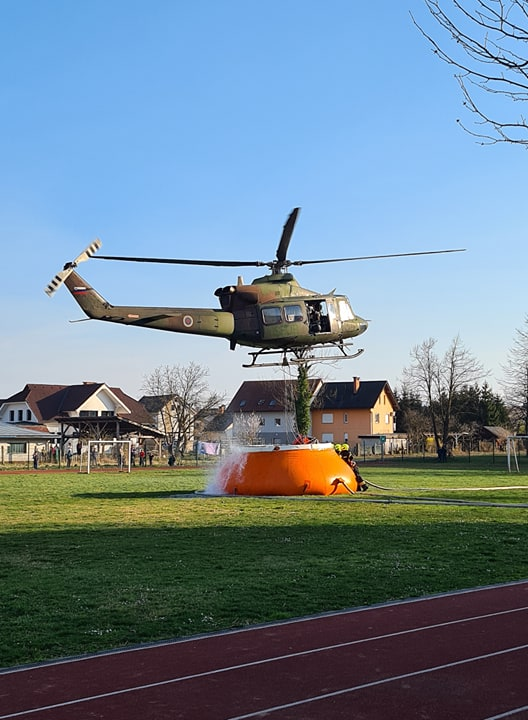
x,y
61,276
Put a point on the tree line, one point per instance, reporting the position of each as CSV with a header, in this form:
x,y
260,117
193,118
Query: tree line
x,y
448,396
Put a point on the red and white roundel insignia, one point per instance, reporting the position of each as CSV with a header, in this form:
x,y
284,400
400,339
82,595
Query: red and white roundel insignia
x,y
188,321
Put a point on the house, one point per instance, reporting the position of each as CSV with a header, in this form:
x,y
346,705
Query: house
x,y
492,436
90,410
219,428
263,411
182,422
361,413
18,443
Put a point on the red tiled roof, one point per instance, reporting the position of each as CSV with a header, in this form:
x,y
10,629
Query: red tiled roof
x,y
48,402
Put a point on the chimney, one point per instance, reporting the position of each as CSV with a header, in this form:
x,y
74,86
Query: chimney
x,y
355,385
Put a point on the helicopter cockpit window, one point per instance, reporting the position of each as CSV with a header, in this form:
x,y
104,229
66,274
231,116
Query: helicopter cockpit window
x,y
345,311
293,313
271,315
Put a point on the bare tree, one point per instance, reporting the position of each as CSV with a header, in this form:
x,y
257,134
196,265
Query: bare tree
x,y
247,429
438,380
489,51
412,418
185,401
515,383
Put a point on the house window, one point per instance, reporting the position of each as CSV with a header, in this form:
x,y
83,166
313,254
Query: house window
x,y
376,418
107,413
242,403
277,422
327,418
16,448
11,416
271,315
261,402
262,421
28,415
387,418
272,402
20,415
88,413
327,437
345,418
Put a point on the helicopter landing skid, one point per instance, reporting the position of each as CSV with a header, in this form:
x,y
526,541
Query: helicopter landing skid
x,y
301,356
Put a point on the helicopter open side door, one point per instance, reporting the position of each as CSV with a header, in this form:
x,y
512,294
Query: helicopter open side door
x,y
321,316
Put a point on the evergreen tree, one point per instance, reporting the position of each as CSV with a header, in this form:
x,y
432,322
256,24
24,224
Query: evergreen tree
x,y
494,410
302,401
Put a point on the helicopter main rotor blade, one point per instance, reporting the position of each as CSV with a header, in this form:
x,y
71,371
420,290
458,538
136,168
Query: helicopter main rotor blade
x,y
373,257
182,261
274,264
287,232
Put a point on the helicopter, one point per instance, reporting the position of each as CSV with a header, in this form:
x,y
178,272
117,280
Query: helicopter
x,y
273,314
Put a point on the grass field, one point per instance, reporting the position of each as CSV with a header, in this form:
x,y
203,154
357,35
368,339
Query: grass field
x,y
92,562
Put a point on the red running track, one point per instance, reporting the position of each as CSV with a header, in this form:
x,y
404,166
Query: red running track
x,y
461,655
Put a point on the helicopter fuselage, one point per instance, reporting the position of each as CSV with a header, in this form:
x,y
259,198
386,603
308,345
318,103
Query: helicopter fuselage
x,y
275,311
272,312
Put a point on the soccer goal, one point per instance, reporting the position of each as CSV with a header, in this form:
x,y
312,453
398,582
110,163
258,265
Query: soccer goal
x,y
512,449
107,454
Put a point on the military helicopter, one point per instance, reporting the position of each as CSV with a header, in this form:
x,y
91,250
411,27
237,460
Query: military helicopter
x,y
273,313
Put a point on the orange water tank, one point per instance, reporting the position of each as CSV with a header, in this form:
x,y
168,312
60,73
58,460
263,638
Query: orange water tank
x,y
285,470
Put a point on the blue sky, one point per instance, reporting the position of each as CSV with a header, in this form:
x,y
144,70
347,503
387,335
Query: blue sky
x,y
192,129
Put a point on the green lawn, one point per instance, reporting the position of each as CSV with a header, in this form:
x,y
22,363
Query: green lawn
x,y
92,562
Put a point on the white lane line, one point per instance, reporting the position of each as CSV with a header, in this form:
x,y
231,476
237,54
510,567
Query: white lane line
x,y
509,713
265,661
376,683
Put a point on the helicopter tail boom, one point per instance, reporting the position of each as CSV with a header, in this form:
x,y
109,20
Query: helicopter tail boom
x,y
194,321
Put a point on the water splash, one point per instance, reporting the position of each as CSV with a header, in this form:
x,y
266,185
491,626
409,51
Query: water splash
x,y
231,466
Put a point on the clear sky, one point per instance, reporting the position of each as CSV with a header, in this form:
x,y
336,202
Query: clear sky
x,y
191,129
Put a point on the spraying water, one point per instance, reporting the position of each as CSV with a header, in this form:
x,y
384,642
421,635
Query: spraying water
x,y
231,465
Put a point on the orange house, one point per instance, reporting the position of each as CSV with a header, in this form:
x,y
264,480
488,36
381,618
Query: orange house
x,y
348,411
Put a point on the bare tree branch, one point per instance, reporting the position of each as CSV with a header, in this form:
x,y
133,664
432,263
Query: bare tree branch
x,y
490,46
185,400
515,383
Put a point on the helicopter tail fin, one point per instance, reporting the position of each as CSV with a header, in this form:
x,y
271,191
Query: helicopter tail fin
x,y
66,271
